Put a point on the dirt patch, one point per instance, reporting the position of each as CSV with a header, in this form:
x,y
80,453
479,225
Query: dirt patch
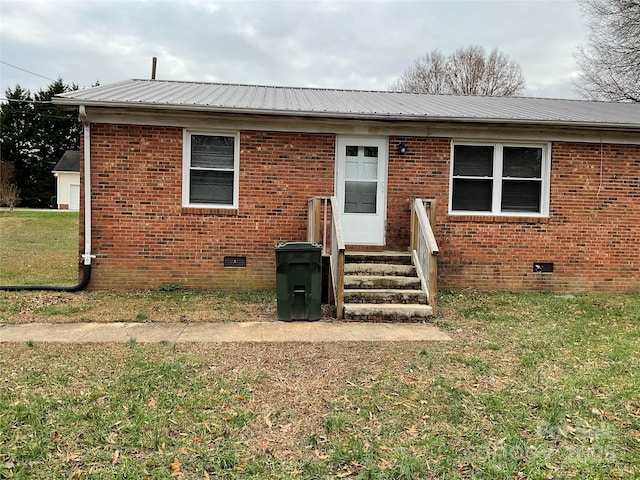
x,y
140,306
300,381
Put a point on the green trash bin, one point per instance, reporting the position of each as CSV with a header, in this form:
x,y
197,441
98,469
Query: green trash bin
x,y
299,281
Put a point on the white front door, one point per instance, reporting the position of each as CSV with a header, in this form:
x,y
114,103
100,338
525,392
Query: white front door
x,y
361,189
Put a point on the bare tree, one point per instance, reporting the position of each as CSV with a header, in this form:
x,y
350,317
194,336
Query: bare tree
x,y
428,74
9,191
610,65
9,196
468,71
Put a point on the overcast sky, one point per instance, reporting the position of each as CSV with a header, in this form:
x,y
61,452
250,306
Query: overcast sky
x,y
305,43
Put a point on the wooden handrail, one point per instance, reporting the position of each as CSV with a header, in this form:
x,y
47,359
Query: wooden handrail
x,y
321,229
337,259
424,247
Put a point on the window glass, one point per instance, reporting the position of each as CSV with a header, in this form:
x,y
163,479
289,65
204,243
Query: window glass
x,y
210,170
351,150
360,197
211,187
521,196
473,160
522,162
371,152
472,195
209,151
499,179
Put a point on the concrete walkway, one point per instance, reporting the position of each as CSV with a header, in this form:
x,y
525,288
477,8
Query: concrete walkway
x,y
221,332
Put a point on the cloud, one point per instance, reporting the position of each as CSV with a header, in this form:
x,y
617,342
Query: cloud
x,y
336,44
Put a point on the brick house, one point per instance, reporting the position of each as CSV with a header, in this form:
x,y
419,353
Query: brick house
x,y
195,183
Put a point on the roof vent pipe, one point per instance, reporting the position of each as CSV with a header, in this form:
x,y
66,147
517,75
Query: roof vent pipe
x,y
154,63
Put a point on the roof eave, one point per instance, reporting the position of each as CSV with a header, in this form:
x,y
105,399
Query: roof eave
x,y
64,102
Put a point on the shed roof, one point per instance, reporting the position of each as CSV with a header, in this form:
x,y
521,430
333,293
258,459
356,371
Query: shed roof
x,y
320,102
69,162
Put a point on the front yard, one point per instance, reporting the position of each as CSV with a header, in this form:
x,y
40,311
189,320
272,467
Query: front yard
x,y
533,386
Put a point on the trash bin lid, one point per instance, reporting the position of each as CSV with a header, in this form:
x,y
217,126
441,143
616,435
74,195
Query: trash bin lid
x,y
298,246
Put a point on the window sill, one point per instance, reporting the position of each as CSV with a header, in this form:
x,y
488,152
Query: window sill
x,y
228,212
496,219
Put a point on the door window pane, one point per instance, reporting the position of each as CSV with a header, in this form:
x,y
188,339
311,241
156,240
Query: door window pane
x,y
351,150
360,197
371,151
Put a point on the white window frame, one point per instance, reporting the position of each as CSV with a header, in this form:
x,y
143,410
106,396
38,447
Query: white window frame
x,y
186,168
497,178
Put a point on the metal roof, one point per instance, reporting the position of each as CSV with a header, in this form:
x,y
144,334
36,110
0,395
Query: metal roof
x,y
319,102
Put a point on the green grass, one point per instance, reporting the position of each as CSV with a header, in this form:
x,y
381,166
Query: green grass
x,y
38,248
41,248
532,386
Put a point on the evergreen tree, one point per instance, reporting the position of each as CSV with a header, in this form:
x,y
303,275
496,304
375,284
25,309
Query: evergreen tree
x,y
34,135
15,133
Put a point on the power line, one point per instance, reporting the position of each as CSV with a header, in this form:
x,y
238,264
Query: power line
x,y
28,71
16,100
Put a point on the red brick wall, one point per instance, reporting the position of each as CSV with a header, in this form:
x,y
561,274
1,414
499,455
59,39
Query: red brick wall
x,y
423,172
592,234
142,236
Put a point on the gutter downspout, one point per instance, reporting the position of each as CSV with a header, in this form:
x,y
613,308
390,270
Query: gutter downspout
x,y
86,256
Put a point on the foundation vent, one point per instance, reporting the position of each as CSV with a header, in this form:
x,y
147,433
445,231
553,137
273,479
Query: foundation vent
x,y
235,261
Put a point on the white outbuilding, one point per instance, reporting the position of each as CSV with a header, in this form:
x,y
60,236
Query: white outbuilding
x,y
67,173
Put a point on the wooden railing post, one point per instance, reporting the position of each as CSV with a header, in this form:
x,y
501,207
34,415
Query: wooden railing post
x,y
424,248
313,220
414,230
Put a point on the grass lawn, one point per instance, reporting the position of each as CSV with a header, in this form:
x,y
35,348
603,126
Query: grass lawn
x,y
533,386
38,247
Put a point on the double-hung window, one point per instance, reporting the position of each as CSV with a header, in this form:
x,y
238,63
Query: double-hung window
x,y
210,170
500,179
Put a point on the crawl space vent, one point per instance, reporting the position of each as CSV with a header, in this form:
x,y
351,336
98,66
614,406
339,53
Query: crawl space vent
x,y
235,261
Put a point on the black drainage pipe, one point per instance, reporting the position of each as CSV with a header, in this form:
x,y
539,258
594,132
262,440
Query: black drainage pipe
x,y
86,275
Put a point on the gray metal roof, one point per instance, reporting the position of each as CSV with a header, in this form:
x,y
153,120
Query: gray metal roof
x,y
318,102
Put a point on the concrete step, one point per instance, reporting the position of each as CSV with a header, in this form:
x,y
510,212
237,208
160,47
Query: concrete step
x,y
379,269
380,281
386,313
387,257
388,295
383,287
